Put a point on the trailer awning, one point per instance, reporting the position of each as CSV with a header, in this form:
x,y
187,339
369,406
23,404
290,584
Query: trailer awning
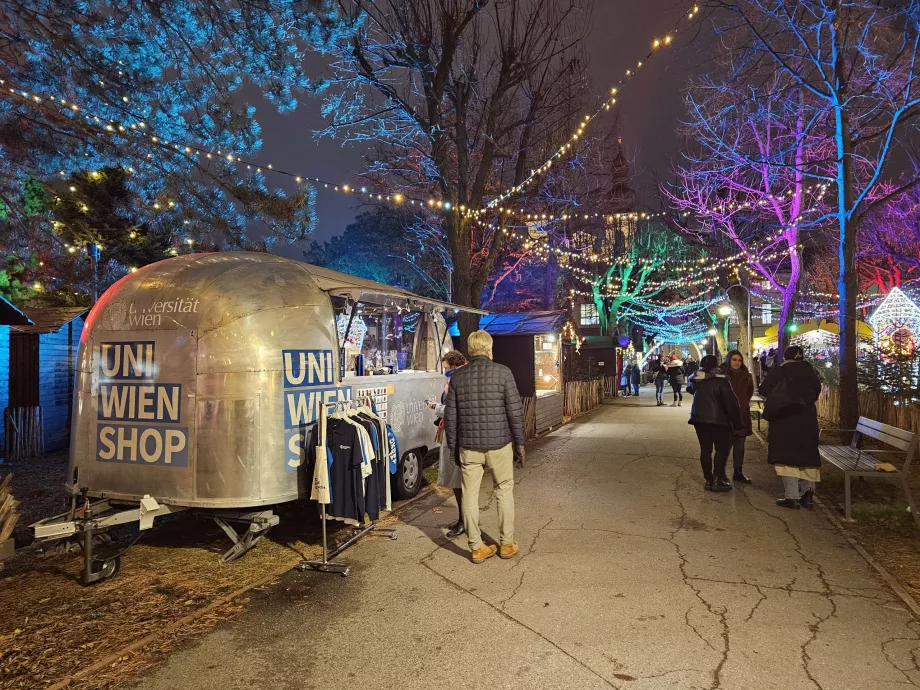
x,y
372,292
519,323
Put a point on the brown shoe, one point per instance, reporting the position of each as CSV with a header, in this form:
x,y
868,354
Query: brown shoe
x,y
483,552
508,550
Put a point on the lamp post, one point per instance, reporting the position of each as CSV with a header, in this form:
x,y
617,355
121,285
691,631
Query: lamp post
x,y
748,346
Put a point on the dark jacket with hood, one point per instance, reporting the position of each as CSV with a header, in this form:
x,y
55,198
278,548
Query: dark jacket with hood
x,y
714,401
793,440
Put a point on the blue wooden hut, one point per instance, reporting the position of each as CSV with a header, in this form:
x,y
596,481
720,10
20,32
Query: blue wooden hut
x,y
38,358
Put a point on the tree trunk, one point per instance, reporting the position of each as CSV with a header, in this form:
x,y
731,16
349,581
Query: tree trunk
x,y
848,225
786,318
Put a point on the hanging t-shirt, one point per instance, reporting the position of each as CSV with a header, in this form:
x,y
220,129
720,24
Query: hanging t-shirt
x,y
394,450
346,484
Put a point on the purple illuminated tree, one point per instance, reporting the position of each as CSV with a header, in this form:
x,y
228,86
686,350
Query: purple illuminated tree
x,y
741,180
855,63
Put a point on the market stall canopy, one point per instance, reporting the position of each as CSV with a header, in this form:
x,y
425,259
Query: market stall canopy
x,y
863,329
362,290
519,323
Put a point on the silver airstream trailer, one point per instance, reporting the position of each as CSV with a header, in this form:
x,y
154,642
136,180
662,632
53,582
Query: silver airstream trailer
x,y
200,375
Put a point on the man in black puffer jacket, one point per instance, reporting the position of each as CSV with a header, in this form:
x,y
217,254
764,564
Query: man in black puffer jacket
x,y
483,420
715,415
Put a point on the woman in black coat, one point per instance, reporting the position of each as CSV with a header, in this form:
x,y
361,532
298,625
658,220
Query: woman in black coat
x,y
716,415
793,441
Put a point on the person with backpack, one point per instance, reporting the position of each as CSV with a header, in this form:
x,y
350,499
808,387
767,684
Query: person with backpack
x,y
676,379
791,391
715,415
635,374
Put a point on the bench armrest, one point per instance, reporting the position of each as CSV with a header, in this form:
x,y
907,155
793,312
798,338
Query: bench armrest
x,y
872,450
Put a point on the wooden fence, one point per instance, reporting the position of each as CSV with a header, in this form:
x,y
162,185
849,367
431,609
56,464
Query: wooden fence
x,y
581,396
530,418
24,433
874,405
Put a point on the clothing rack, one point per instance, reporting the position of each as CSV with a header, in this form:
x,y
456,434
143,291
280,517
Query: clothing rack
x,y
326,565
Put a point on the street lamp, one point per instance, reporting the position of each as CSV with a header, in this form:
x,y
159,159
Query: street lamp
x,y
712,331
725,310
750,333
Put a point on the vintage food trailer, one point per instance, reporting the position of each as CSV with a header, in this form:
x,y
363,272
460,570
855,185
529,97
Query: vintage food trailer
x,y
200,376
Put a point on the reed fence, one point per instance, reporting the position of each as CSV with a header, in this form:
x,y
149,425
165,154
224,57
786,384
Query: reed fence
x,y
875,405
23,429
581,396
530,417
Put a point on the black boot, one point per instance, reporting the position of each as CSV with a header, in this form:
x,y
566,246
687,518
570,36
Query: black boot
x,y
722,484
455,530
708,484
738,476
788,503
808,499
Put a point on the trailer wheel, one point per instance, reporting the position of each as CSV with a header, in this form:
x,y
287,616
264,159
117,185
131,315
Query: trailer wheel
x,y
408,479
105,570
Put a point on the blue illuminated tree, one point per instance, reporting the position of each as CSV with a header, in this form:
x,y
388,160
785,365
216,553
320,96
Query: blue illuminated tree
x,y
154,90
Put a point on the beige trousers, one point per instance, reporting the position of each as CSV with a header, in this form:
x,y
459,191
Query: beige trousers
x,y
501,464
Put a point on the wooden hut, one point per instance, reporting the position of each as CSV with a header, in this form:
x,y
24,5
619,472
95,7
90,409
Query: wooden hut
x,y
9,316
529,344
41,360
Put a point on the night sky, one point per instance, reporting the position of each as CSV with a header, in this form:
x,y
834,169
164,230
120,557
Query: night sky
x,y
621,34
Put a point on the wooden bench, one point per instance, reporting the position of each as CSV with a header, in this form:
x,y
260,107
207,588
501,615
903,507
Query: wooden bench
x,y
855,461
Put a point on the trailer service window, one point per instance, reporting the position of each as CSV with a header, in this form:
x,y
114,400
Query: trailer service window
x,y
128,392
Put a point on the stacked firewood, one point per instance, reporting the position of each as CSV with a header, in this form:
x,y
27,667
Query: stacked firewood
x,y
9,513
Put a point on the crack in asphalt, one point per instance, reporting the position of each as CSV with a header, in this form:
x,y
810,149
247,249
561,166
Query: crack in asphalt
x,y
719,614
827,590
425,562
533,545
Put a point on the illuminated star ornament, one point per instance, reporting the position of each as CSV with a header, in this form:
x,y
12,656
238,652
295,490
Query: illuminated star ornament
x,y
897,325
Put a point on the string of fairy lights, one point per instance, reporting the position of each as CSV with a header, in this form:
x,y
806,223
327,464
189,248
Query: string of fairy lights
x,y
586,121
198,153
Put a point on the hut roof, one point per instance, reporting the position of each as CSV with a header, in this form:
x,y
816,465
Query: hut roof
x,y
49,319
11,315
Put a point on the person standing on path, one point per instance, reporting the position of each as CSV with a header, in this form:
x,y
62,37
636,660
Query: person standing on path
x,y
792,445
661,377
635,374
715,415
483,420
448,470
743,385
676,379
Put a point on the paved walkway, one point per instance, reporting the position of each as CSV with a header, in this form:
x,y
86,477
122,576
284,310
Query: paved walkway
x,y
631,576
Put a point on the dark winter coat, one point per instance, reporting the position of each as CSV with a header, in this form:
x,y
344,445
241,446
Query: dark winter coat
x,y
793,440
676,373
743,385
714,401
690,368
483,409
635,374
